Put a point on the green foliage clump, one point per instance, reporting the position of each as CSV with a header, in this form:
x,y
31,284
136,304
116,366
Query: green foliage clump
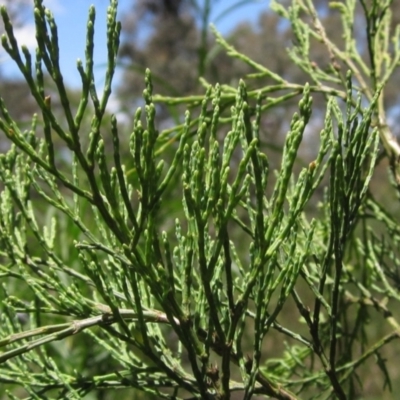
x,y
109,282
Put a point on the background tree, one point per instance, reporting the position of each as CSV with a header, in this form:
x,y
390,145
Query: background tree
x,y
15,91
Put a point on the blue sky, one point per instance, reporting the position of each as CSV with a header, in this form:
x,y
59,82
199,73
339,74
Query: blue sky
x,y
71,18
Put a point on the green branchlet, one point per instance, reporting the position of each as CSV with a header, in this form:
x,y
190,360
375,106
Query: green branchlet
x,y
100,264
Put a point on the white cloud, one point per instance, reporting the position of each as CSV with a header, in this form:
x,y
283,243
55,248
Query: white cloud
x,y
26,36
55,6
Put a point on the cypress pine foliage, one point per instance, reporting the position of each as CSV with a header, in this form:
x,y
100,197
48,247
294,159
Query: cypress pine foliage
x,y
109,283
